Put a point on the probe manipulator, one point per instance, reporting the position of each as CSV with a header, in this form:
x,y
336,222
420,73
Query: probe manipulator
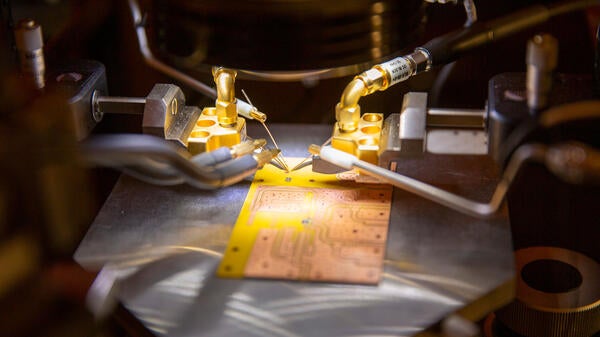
x,y
439,51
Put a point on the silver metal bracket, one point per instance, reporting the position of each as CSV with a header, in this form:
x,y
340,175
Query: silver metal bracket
x,y
418,129
166,116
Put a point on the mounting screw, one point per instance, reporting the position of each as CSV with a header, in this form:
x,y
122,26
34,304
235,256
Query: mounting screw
x,y
97,113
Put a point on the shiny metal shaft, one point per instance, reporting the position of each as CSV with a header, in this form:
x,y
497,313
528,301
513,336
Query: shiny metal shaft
x,y
542,57
120,105
28,38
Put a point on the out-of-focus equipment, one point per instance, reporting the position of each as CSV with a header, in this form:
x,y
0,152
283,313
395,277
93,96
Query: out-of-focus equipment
x,y
542,57
29,42
281,40
45,204
219,125
155,161
551,206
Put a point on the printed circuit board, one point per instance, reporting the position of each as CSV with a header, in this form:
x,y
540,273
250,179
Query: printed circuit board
x,y
310,227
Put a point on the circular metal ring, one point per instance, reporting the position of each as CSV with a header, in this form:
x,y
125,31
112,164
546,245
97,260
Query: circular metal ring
x,y
586,294
559,294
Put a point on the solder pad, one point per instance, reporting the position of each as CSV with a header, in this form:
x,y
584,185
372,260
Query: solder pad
x,y
310,227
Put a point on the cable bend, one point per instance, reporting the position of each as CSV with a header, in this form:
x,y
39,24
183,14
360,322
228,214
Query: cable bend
x,y
352,93
347,111
225,82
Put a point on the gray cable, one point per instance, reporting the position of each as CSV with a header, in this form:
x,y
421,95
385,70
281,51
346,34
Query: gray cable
x,y
228,173
139,174
157,161
147,158
212,158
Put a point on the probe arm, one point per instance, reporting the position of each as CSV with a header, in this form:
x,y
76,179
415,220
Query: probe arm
x,y
440,51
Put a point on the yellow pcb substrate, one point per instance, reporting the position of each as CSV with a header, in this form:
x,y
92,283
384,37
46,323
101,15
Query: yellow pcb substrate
x,y
310,227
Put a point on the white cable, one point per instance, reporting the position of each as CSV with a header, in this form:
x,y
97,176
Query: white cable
x,y
453,201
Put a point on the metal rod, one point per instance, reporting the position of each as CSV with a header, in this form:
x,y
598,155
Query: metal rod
x,y
120,105
454,118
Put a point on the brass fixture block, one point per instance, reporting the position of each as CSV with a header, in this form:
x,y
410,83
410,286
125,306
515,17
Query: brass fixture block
x,y
364,142
208,135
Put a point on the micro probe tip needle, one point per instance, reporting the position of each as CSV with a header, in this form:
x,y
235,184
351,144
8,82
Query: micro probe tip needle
x,y
261,117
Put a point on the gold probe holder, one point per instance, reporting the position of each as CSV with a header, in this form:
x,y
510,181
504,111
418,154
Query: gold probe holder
x,y
357,134
364,142
208,135
219,126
